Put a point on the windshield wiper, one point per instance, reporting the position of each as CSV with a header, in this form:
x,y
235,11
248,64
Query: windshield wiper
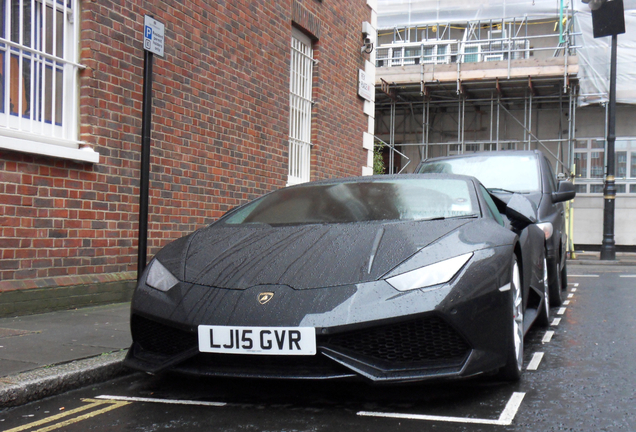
x,y
468,216
503,190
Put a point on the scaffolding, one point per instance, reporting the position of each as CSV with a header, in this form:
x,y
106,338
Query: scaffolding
x,y
435,76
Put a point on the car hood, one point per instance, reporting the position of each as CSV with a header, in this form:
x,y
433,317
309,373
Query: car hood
x,y
305,257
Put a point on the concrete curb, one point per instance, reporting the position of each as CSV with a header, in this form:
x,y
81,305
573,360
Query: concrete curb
x,y
47,381
598,262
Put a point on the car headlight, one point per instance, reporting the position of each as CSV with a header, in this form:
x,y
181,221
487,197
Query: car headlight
x,y
160,277
434,274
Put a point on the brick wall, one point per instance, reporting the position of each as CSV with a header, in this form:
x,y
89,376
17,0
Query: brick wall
x,y
219,134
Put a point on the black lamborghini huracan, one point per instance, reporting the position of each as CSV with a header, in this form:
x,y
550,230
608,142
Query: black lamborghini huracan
x,y
387,278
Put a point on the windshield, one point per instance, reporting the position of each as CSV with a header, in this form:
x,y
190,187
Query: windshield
x,y
374,200
515,173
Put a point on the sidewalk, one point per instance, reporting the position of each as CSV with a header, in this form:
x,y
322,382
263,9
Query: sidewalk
x,y
48,353
593,258
44,354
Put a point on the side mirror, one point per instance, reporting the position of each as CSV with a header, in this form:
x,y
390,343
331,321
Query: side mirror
x,y
566,192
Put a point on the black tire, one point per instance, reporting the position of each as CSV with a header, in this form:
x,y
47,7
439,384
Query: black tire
x,y
514,350
564,278
556,283
543,319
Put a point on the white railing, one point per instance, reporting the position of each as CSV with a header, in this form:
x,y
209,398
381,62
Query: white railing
x,y
445,52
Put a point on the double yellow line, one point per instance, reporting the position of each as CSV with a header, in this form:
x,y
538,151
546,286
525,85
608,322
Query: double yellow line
x,y
55,419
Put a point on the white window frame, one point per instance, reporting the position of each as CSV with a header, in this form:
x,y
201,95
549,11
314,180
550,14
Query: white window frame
x,y
37,130
300,105
585,185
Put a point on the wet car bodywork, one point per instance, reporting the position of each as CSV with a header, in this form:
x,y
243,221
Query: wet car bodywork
x,y
346,282
507,172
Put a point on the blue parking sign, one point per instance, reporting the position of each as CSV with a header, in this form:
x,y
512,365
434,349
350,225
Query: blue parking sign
x,y
153,35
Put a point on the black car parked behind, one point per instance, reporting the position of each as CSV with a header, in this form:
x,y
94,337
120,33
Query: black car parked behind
x,y
529,173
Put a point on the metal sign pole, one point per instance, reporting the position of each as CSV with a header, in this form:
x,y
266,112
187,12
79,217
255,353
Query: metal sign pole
x,y
144,184
154,41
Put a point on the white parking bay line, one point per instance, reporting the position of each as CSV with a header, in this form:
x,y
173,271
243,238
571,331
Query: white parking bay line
x,y
573,290
163,401
547,337
561,311
534,362
555,322
583,275
566,302
570,295
628,276
505,419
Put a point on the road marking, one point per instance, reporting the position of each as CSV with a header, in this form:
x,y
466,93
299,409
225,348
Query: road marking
x,y
570,295
573,290
505,419
547,337
555,322
561,311
593,276
628,276
566,302
534,362
93,404
164,401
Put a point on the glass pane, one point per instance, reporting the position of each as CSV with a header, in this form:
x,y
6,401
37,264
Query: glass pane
x,y
2,84
580,188
469,57
441,53
600,144
580,144
597,165
59,88
472,147
494,170
621,164
596,188
620,144
20,86
632,170
620,188
580,160
428,53
20,22
632,188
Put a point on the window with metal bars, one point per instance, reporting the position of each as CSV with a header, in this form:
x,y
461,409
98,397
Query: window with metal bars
x,y
38,74
300,101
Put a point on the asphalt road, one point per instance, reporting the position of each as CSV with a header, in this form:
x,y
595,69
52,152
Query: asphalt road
x,y
581,377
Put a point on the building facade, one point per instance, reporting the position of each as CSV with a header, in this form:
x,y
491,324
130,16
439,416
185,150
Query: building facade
x,y
248,97
455,78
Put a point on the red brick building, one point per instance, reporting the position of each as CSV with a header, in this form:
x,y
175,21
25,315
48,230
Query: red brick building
x,y
249,96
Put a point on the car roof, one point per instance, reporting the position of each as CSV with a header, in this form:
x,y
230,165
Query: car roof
x,y
501,153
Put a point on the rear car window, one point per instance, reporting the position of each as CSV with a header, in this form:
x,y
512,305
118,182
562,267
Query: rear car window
x,y
517,173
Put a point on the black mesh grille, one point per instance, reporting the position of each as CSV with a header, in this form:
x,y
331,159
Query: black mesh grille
x,y
424,340
160,338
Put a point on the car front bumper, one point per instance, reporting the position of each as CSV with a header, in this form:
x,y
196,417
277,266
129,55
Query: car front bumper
x,y
368,331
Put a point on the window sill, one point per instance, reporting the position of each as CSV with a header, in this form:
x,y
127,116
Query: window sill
x,y
61,150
